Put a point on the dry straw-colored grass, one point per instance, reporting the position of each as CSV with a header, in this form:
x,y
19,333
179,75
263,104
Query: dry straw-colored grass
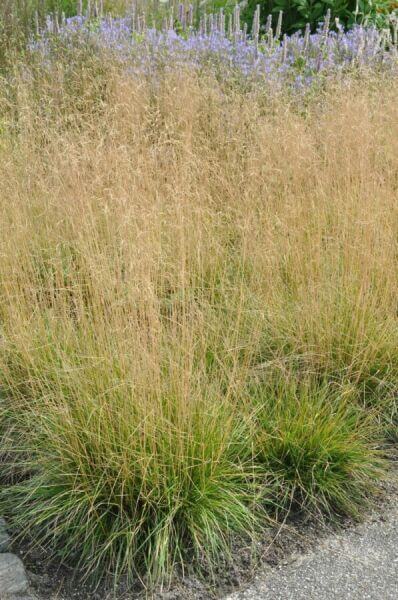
x,y
174,261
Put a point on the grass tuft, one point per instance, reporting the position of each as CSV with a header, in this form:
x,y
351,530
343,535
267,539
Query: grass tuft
x,y
320,446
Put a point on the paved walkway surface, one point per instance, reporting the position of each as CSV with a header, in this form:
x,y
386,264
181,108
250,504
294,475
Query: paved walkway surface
x,y
358,564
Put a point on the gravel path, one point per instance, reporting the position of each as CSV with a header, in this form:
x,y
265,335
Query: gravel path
x,y
358,564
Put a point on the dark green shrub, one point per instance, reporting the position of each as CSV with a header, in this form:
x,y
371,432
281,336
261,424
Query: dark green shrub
x,y
296,13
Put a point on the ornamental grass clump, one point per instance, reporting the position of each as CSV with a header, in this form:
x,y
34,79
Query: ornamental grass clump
x,y
319,446
198,288
124,471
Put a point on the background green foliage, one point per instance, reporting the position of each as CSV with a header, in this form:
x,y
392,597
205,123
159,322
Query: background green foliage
x,y
296,13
